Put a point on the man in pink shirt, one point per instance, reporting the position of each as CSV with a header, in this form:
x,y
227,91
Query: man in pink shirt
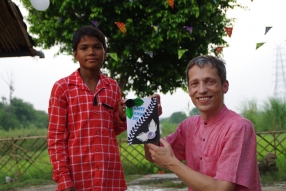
x,y
219,146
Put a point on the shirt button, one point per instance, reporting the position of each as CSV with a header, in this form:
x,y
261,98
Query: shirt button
x,y
204,139
201,158
96,150
96,132
96,113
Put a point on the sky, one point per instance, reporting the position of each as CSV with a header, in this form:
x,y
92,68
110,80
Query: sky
x,y
250,71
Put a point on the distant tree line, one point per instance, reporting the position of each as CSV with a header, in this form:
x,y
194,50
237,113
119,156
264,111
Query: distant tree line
x,y
20,114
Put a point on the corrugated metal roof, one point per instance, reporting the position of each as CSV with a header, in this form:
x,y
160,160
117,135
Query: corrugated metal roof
x,y
14,38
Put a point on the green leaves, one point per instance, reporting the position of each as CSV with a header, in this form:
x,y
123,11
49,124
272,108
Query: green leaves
x,y
129,110
135,70
138,102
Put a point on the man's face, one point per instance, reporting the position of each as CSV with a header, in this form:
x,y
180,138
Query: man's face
x,y
206,90
90,53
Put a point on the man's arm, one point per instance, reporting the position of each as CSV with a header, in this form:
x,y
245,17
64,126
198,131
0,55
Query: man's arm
x,y
165,158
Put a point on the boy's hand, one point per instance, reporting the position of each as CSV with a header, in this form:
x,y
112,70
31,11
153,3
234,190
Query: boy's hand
x,y
122,109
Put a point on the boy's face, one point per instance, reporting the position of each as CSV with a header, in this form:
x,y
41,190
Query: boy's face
x,y
90,53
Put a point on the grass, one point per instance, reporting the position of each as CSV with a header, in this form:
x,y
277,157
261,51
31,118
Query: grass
x,y
133,170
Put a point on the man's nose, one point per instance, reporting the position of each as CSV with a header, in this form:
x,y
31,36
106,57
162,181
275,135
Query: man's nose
x,y
202,88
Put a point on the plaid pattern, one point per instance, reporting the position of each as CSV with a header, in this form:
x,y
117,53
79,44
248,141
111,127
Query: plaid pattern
x,y
82,137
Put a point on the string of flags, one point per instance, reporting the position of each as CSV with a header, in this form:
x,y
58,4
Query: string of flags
x,y
121,26
258,45
181,52
218,50
267,29
228,31
171,3
189,28
113,56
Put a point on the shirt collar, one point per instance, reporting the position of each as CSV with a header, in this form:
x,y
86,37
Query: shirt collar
x,y
218,117
75,79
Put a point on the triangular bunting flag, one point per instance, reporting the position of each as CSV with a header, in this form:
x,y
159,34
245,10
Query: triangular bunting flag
x,y
228,31
189,28
181,52
114,56
267,29
259,45
150,53
156,28
171,3
121,26
95,23
217,50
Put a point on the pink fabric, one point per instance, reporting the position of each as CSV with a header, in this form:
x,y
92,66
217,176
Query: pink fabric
x,y
82,137
223,147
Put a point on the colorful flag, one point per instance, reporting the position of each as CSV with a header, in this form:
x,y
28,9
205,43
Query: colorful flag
x,y
181,52
218,49
156,28
228,30
259,45
114,56
171,3
121,26
267,29
95,23
150,53
189,28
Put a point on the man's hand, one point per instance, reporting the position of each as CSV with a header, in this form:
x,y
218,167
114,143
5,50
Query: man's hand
x,y
162,156
159,103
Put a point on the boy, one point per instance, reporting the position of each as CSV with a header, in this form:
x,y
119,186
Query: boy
x,y
85,115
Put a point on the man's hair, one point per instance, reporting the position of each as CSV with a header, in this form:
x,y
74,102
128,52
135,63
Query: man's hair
x,y
212,61
87,31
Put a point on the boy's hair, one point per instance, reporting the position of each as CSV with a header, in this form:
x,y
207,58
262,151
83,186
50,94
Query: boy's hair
x,y
212,61
88,31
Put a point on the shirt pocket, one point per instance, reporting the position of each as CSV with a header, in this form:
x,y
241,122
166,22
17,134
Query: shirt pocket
x,y
210,164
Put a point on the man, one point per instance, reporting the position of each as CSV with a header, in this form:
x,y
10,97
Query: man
x,y
219,146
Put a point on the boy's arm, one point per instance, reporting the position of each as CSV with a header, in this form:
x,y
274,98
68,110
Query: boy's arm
x,y
119,121
58,137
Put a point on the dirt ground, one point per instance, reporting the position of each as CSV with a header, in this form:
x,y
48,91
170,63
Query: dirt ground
x,y
277,187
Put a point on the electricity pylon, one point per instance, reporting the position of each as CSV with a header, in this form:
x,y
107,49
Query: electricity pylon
x,y
280,71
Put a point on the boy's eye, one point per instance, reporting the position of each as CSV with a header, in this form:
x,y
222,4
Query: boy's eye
x,y
83,48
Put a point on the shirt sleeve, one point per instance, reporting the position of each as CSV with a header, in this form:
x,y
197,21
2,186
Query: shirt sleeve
x,y
58,136
238,162
118,125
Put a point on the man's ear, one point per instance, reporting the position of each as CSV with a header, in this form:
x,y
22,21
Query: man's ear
x,y
225,87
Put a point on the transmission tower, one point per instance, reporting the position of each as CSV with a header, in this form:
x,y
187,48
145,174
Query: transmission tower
x,y
280,71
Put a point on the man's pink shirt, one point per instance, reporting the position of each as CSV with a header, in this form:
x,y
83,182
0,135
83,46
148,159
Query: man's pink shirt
x,y
223,147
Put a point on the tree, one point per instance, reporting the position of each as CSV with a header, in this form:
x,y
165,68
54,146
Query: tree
x,y
19,114
177,117
152,27
194,111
